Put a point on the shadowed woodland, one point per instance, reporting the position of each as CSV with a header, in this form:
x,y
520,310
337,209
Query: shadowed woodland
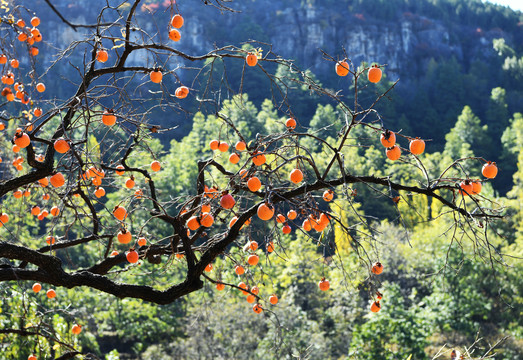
x,y
162,202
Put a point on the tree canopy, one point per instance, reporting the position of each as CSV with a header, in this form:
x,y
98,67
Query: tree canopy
x,y
253,200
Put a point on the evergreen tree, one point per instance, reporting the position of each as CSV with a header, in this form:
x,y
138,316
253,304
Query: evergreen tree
x,y
467,133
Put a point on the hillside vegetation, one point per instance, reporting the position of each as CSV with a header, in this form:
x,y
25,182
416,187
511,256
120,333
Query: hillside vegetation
x,y
460,87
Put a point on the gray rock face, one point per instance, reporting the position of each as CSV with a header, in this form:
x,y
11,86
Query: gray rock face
x,y
296,30
409,42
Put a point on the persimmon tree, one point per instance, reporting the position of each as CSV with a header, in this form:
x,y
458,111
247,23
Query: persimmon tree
x,y
67,155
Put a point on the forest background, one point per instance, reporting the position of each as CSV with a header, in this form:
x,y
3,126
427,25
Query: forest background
x,y
460,65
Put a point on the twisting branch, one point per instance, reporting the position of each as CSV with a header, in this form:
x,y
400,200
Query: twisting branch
x,y
68,23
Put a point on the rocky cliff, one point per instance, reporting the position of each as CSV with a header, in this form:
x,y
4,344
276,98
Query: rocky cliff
x,y
298,30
